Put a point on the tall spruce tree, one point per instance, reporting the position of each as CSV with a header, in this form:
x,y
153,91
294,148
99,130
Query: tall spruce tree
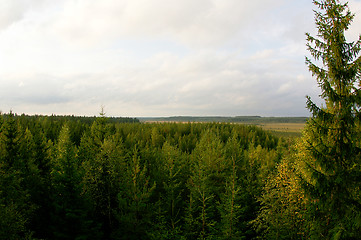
x,y
172,184
14,207
206,185
71,216
101,156
331,177
135,206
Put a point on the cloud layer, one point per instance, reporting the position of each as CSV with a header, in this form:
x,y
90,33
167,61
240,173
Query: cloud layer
x,y
158,57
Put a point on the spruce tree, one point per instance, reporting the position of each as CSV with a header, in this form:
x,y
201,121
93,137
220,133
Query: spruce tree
x,y
40,194
331,177
231,205
101,156
70,218
206,185
15,208
134,198
167,224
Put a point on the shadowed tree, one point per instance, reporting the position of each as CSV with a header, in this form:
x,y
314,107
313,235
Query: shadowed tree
x,y
101,157
170,204
70,218
15,205
135,208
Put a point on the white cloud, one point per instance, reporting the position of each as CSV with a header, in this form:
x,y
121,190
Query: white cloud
x,y
200,23
155,57
354,31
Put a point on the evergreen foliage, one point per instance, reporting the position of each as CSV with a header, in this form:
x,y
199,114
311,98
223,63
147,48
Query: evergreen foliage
x,y
70,217
15,208
332,158
314,192
130,180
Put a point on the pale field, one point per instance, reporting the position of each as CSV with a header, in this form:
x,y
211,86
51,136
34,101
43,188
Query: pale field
x,y
283,127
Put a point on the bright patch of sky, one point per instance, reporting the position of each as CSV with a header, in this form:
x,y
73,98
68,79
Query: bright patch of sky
x,y
158,57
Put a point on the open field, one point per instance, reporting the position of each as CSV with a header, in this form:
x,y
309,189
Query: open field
x,y
284,129
238,119
280,126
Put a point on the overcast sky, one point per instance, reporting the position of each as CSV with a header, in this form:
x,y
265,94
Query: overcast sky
x,y
157,57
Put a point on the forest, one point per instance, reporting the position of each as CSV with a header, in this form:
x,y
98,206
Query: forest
x,y
68,177
73,179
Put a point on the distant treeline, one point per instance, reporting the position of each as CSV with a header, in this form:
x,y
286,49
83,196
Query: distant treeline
x,y
237,119
51,125
83,119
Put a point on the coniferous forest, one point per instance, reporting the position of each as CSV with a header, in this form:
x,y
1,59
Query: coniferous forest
x,y
72,179
66,177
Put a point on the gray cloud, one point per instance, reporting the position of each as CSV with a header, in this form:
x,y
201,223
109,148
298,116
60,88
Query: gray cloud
x,y
11,12
14,11
38,89
157,58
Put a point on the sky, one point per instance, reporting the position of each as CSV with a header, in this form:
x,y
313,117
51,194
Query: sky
x,y
143,58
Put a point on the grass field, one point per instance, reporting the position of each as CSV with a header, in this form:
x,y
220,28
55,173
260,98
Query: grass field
x,y
284,129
